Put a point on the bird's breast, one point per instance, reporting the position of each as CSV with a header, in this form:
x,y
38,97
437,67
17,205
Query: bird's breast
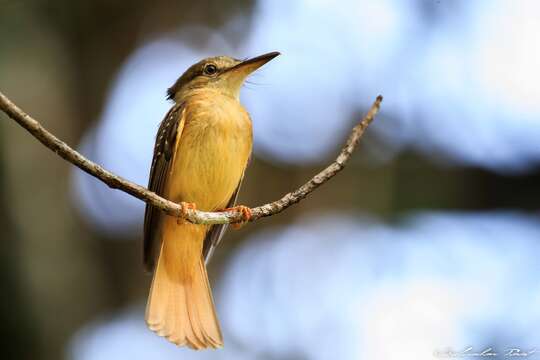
x,y
212,152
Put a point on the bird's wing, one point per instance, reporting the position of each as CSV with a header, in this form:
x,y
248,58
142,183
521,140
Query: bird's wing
x,y
216,232
170,128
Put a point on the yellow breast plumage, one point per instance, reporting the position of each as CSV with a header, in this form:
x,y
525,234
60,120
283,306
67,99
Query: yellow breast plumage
x,y
212,152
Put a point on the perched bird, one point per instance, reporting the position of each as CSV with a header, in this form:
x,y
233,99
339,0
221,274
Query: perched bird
x,y
202,148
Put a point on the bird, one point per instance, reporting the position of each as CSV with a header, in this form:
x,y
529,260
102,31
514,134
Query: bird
x,y
202,148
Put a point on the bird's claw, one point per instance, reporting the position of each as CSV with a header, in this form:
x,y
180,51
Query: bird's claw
x,y
185,206
246,215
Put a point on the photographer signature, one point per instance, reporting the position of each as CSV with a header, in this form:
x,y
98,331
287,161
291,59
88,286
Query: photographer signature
x,y
487,352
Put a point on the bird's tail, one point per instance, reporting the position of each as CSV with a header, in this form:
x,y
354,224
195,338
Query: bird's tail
x,y
180,305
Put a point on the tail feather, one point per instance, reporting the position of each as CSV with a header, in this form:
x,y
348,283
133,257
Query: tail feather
x,y
180,306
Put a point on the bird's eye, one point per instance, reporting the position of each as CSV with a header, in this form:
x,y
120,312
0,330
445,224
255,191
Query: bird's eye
x,y
210,69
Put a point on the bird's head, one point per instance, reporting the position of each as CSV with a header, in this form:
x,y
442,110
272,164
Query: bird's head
x,y
223,73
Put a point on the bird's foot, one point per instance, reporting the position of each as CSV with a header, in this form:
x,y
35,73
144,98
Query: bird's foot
x,y
246,215
185,207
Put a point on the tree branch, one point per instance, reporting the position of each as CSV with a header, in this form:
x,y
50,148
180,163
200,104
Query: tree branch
x,y
195,216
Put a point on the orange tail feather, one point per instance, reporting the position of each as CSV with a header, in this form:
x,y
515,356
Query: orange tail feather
x,y
180,306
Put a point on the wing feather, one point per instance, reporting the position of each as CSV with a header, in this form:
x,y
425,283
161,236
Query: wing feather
x,y
166,139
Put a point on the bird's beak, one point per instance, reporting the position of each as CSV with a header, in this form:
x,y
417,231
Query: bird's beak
x,y
250,65
234,77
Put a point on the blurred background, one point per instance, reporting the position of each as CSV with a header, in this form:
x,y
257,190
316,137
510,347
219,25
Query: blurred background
x,y
427,243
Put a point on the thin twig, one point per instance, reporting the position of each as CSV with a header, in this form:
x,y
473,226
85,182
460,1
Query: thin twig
x,y
195,216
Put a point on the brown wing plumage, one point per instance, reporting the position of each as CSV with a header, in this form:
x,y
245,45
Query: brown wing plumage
x,y
163,154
